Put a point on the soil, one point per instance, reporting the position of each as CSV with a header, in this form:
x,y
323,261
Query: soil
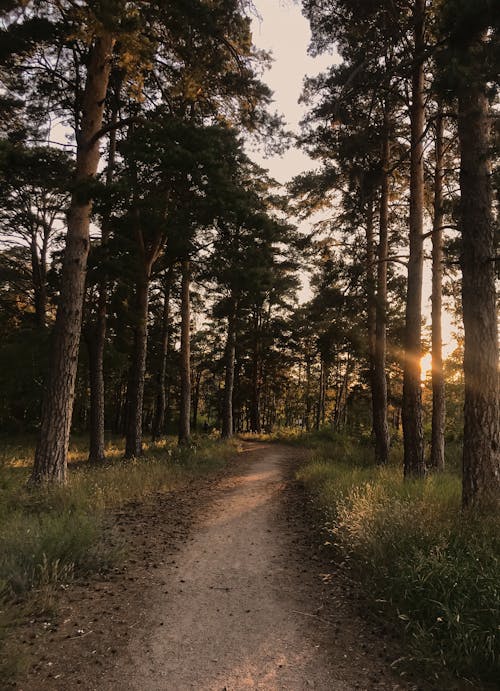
x,y
226,587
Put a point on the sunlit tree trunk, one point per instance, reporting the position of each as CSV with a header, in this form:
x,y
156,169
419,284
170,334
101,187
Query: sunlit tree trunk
x,y
481,453
52,448
414,465
438,390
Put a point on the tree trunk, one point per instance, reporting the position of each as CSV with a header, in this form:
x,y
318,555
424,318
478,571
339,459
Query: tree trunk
x,y
196,398
414,465
379,393
255,401
371,305
38,274
52,449
161,396
229,356
481,453
97,332
185,403
438,390
133,440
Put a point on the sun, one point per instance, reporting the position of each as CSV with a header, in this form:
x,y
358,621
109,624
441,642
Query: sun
x,y
426,365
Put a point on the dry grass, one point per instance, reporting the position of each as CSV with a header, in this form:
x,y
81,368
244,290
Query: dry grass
x,y
429,570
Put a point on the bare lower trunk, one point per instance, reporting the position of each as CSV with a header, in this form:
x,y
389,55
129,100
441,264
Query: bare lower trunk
x,y
97,452
133,440
438,390
255,425
52,449
161,397
481,454
38,272
196,399
229,356
379,393
185,403
95,346
414,465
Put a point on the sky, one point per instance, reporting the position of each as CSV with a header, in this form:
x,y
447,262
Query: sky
x,y
284,32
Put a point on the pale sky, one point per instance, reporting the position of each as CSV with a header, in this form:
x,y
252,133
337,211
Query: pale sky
x,y
285,32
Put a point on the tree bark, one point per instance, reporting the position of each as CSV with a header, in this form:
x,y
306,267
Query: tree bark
x,y
229,356
379,393
52,449
97,332
438,387
481,452
133,439
255,425
185,402
414,465
196,398
161,396
371,306
39,278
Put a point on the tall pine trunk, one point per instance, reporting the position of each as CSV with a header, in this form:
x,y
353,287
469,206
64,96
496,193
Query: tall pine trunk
x,y
438,389
255,425
414,465
185,403
379,392
52,448
481,453
229,357
39,278
96,334
161,395
133,438
371,304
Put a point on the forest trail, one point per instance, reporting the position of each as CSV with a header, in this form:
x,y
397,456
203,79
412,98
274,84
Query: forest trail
x,y
240,613
244,602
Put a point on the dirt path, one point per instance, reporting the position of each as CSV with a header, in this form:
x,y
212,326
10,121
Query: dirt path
x,y
238,613
243,604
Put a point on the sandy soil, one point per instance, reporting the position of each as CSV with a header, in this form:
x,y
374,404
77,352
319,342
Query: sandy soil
x,y
226,589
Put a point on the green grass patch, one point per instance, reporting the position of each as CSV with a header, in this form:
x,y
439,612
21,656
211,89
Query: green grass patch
x,y
424,566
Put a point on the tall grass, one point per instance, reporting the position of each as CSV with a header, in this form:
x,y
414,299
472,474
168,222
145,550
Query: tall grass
x,y
48,536
429,569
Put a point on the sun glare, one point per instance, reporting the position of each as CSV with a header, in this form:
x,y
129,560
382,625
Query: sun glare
x,y
426,365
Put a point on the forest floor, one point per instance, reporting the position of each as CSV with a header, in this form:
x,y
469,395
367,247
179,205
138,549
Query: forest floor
x,y
225,587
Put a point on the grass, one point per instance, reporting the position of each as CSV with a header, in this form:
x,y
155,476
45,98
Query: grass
x,y
429,570
49,537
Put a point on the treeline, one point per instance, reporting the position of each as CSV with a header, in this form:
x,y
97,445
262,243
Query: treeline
x,y
403,130
134,223
167,92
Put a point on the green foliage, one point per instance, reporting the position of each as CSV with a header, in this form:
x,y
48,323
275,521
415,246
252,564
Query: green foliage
x,y
426,568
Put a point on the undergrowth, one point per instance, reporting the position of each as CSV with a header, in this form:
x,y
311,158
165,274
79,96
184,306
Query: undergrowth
x,y
48,537
424,565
